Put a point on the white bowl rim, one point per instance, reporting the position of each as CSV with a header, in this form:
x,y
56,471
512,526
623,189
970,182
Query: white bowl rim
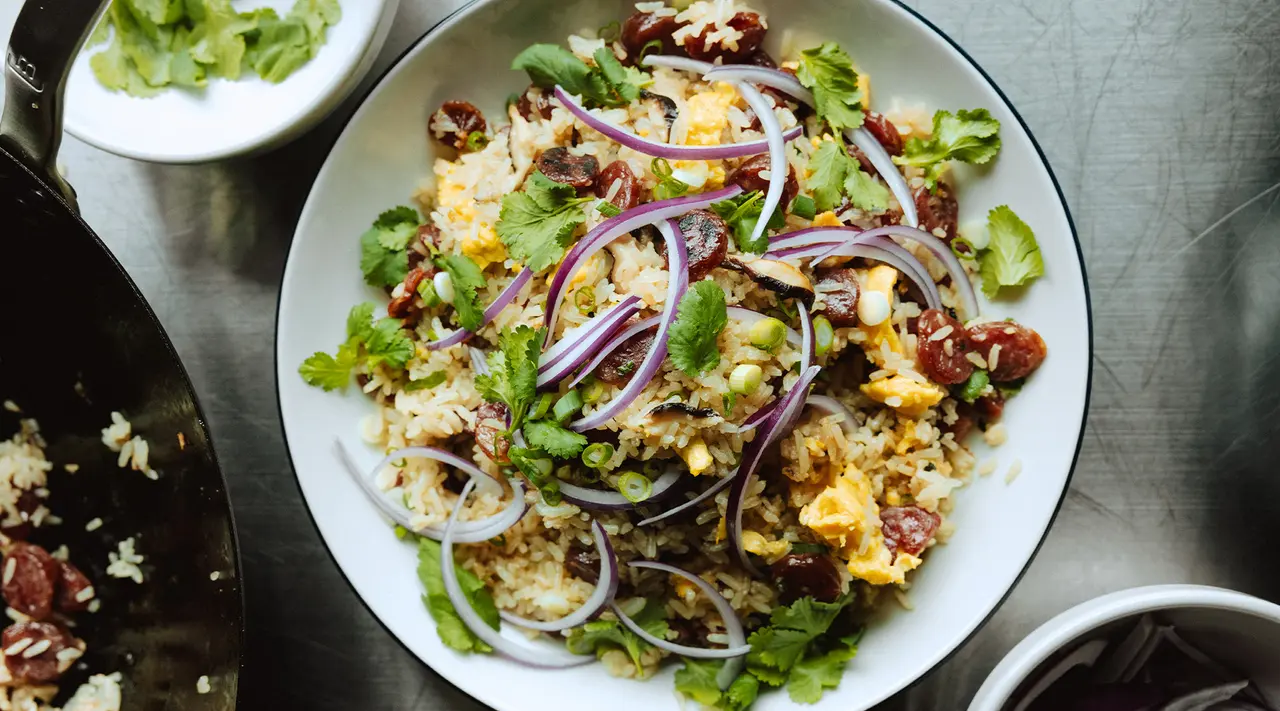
x,y
328,98
1074,622
471,5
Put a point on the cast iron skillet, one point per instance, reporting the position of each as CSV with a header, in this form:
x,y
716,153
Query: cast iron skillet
x,y
77,341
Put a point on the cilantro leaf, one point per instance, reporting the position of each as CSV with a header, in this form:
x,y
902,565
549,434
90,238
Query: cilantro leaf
x,y
865,192
453,632
554,439
277,48
537,468
329,372
217,38
808,615
606,84
384,258
793,629
467,280
600,636
828,71
1012,257
360,321
700,318
741,693
513,372
537,224
969,136
387,343
316,15
818,672
624,82
433,379
697,680
828,168
742,213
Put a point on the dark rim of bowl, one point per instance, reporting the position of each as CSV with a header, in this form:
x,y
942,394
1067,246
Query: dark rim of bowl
x,y
1084,277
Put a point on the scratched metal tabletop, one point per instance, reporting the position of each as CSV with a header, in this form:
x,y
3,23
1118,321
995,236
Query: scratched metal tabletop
x,y
1162,121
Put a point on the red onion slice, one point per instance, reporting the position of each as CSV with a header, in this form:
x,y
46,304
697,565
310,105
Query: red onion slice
x,y
614,344
467,532
599,500
1085,655
895,256
808,347
586,343
545,657
754,419
606,588
832,406
677,283
811,237
777,154
732,625
615,227
711,491
764,76
505,297
667,150
777,424
884,165
681,649
942,251
572,336
683,64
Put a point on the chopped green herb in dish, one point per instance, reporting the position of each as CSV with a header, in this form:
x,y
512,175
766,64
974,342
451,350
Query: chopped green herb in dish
x,y
156,44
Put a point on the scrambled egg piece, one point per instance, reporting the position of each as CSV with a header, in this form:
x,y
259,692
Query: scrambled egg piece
x,y
880,278
697,456
826,219
845,512
707,114
699,174
907,396
763,547
864,86
483,246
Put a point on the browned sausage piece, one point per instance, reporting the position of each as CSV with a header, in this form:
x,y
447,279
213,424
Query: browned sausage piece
x,y
629,192
1012,351
534,103
839,290
644,27
26,505
618,367
563,167
30,580
908,529
491,423
35,647
403,305
748,177
806,575
753,32
885,132
938,209
942,344
75,592
428,238
454,122
707,237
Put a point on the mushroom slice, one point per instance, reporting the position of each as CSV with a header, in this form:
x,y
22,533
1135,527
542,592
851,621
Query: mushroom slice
x,y
781,278
672,410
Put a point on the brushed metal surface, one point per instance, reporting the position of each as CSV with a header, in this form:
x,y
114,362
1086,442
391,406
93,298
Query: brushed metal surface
x,y
1162,121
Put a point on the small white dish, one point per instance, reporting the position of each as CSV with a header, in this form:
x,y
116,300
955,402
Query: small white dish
x,y
1240,631
229,118
384,154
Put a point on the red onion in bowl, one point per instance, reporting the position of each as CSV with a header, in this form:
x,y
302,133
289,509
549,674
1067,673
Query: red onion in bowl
x,y
677,283
543,656
615,227
467,532
732,625
667,150
606,588
506,297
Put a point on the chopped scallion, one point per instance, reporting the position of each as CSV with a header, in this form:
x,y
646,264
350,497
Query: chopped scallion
x,y
567,406
597,455
824,336
634,486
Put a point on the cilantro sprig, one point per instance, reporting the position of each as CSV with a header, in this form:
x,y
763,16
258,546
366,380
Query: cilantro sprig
x,y
828,72
1012,257
548,436
536,225
384,256
601,636
833,173
741,213
967,136
467,280
513,372
701,316
453,632
608,83
797,649
381,342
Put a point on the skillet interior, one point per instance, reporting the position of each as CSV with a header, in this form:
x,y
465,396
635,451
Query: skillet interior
x,y
70,315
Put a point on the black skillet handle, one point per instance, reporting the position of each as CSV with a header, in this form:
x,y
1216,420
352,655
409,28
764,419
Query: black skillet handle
x,y
45,40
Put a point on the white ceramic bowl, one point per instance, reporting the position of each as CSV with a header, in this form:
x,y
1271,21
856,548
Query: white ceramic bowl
x,y
384,153
1238,630
229,118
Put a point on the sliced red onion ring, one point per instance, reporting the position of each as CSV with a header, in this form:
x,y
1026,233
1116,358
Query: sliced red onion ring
x,y
467,532
543,656
668,150
808,243
884,165
683,64
942,251
506,297
606,588
732,625
754,419
896,257
587,343
764,76
677,283
552,355
832,406
777,154
777,424
599,500
711,491
808,347
614,344
681,649
1086,655
613,228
